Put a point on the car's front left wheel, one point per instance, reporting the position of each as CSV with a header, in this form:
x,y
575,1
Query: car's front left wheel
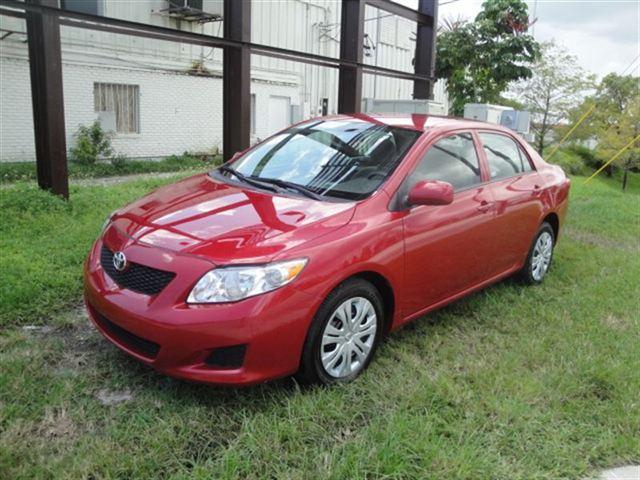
x,y
344,334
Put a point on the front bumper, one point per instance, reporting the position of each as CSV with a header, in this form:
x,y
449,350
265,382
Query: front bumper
x,y
177,339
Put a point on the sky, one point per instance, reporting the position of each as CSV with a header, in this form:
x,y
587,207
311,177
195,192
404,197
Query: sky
x,y
603,34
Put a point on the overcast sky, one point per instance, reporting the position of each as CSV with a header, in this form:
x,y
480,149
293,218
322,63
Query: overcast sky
x,y
603,34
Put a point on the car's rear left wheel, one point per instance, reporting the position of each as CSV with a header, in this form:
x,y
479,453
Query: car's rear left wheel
x,y
344,334
540,255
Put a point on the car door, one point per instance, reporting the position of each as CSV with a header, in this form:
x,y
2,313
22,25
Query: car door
x,y
446,246
516,188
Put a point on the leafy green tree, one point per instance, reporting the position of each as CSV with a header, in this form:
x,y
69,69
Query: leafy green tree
x,y
617,122
479,59
558,84
613,123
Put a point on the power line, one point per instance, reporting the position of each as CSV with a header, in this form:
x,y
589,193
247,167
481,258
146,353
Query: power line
x,y
630,65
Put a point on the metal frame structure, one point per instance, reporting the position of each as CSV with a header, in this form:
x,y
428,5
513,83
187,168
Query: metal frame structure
x,y
43,31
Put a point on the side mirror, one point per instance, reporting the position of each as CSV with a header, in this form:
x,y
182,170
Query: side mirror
x,y
431,192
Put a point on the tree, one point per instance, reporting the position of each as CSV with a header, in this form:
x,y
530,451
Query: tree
x,y
617,121
479,59
613,123
556,87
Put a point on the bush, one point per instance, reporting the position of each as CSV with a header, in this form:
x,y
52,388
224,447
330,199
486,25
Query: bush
x,y
570,162
92,143
118,161
587,155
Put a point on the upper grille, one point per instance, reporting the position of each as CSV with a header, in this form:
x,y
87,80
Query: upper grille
x,y
136,277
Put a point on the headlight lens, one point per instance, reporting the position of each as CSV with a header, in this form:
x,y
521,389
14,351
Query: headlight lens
x,y
107,221
230,284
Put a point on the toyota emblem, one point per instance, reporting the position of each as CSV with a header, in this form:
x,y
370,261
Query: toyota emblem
x,y
119,261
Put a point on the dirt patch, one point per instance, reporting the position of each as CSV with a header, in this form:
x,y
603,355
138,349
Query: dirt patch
x,y
57,424
601,241
113,397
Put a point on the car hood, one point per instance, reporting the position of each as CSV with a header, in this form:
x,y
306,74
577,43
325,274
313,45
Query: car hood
x,y
226,223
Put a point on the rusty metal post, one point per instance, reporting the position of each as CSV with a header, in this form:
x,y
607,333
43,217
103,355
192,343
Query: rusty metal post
x,y
236,90
351,49
45,63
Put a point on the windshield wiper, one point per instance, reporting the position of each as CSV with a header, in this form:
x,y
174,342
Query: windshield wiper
x,y
245,179
307,192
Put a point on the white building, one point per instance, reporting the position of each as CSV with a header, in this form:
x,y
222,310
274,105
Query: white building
x,y
164,98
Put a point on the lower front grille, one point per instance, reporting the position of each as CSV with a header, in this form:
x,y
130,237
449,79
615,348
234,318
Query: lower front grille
x,y
227,357
140,345
136,277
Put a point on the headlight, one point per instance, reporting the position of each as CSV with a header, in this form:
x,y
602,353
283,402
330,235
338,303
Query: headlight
x,y
229,284
107,221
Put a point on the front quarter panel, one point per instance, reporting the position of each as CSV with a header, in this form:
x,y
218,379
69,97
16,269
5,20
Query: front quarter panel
x,y
371,242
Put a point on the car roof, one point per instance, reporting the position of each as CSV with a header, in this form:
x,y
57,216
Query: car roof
x,y
422,122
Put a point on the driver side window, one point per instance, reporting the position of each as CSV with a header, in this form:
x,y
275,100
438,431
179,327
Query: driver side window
x,y
451,159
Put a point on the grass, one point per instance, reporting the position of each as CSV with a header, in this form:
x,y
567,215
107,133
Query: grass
x,y
11,172
511,383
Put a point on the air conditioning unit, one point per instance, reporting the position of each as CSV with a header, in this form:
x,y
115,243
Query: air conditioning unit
x,y
375,105
195,10
516,120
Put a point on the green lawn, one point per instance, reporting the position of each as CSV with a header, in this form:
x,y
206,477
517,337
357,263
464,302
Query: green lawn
x,y
511,383
11,172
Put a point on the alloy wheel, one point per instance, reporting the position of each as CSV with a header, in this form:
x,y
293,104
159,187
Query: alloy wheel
x,y
541,257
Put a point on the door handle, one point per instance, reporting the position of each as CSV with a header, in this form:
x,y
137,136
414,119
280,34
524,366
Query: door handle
x,y
485,206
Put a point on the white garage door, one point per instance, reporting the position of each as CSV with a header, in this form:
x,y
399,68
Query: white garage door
x,y
279,113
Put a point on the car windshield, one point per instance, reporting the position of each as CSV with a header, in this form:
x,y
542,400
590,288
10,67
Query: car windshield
x,y
343,158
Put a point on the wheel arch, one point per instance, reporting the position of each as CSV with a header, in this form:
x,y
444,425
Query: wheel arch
x,y
383,286
553,220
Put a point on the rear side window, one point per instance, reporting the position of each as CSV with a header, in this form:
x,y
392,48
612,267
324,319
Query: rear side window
x,y
504,157
452,159
526,163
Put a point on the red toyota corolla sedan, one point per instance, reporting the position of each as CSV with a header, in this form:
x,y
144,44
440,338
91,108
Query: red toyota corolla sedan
x,y
300,254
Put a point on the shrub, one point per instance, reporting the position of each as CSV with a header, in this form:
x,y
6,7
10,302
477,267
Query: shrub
x,y
118,161
571,163
587,155
92,143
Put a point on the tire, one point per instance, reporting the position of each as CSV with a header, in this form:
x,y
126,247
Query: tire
x,y
536,267
362,300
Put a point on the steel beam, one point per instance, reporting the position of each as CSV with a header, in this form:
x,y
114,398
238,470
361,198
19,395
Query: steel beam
x,y
137,29
425,56
45,63
420,16
351,50
236,78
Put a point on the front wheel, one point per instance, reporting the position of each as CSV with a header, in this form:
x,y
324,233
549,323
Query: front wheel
x,y
540,255
344,334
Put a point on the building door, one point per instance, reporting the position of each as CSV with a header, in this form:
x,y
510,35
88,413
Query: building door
x,y
279,113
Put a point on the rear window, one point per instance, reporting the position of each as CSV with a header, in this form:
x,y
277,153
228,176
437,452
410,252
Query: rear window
x,y
343,158
504,157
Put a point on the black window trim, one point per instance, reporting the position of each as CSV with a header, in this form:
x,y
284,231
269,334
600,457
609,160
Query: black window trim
x,y
521,151
398,203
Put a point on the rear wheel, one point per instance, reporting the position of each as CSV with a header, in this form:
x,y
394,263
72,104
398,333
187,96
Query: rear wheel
x,y
540,255
344,334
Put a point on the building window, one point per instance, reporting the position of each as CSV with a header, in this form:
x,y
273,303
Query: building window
x,y
119,104
81,6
